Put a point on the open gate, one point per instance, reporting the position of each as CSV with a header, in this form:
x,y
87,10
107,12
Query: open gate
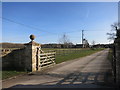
x,y
45,59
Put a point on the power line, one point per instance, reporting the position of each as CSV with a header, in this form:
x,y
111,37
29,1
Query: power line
x,y
40,29
86,31
26,25
73,31
48,31
96,30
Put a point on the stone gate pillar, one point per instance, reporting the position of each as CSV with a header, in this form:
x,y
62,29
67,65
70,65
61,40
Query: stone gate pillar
x,y
31,55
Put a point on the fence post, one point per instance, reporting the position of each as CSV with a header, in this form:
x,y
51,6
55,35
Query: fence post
x,y
31,55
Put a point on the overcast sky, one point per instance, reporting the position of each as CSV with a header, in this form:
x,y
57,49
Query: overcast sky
x,y
48,21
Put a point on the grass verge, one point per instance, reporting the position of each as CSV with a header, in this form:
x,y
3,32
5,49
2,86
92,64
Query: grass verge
x,y
10,73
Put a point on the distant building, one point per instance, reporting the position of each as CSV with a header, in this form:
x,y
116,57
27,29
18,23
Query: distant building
x,y
52,45
78,45
102,46
85,43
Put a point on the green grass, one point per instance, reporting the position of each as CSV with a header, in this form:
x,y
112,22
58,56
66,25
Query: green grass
x,y
0,75
7,74
74,55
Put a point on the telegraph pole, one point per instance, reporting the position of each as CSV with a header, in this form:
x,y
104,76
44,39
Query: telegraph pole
x,y
82,35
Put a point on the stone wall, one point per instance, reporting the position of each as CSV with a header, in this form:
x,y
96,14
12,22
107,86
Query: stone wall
x,y
5,51
22,59
14,59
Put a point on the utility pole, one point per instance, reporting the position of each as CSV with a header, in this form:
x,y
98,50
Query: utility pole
x,y
82,35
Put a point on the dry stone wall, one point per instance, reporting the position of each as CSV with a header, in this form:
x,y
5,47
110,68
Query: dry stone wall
x,y
21,59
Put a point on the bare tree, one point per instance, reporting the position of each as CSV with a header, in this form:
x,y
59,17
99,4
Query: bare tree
x,y
112,35
93,43
64,40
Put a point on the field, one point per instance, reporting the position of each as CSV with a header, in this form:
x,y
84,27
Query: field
x,y
62,55
73,53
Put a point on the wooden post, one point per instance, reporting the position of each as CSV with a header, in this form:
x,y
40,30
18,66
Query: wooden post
x,y
38,59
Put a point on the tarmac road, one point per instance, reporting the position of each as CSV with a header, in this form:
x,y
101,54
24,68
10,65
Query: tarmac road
x,y
92,71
